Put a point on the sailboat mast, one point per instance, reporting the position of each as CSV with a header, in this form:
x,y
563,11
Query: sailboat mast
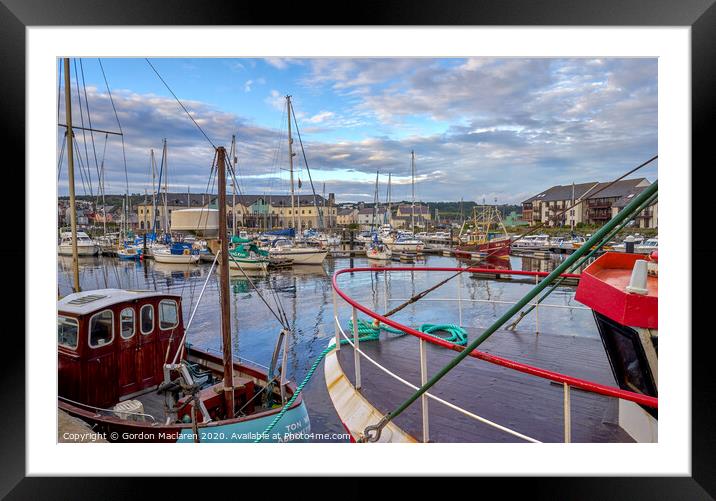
x,y
233,184
224,285
375,202
71,177
154,187
290,161
389,213
412,206
166,185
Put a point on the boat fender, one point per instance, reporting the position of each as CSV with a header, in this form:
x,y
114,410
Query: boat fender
x,y
186,252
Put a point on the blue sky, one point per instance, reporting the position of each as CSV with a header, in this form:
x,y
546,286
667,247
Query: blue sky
x,y
480,127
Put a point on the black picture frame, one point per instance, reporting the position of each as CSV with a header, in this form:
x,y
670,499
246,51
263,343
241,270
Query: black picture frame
x,y
700,15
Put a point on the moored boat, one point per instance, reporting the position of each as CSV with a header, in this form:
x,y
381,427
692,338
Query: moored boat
x,y
178,253
85,245
114,352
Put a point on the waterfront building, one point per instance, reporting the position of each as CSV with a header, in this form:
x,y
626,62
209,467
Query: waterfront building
x,y
597,209
404,216
345,217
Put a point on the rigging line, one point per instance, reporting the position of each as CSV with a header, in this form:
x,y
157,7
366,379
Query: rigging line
x,y
62,155
305,160
119,124
180,103
59,89
80,165
89,118
423,293
102,187
82,122
253,285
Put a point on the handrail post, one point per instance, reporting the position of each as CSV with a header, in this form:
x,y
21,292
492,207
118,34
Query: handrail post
x,y
424,397
356,347
537,319
335,320
459,298
567,415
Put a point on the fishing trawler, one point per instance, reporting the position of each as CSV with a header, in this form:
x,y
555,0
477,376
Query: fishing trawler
x,y
414,389
124,369
485,233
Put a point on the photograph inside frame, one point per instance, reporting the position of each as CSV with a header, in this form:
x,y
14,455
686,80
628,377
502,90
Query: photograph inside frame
x,y
444,250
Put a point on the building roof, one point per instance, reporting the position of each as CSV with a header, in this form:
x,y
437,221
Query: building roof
x,y
624,201
85,302
345,212
419,209
369,210
564,192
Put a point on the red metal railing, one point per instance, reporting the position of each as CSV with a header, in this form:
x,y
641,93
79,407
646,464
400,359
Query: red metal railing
x,y
503,362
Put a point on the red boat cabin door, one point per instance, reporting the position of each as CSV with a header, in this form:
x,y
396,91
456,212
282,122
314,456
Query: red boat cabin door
x,y
129,381
147,346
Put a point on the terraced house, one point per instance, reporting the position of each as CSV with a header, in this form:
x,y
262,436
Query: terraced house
x,y
600,202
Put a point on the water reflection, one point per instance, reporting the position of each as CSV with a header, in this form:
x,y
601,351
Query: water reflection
x,y
304,293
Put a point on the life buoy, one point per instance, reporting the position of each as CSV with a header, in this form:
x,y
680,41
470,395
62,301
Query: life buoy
x,y
186,252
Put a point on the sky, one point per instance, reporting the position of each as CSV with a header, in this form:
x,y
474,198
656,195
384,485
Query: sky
x,y
488,129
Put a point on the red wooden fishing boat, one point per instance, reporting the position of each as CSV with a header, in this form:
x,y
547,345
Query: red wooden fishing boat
x,y
484,235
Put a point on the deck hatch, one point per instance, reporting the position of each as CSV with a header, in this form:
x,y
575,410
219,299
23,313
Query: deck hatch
x,y
87,299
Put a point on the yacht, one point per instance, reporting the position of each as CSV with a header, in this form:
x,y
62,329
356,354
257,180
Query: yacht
x,y
283,248
85,245
532,242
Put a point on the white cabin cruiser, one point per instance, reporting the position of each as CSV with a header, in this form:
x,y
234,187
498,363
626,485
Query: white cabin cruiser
x,y
85,245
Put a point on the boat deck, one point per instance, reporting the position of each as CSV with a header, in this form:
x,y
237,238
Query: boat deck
x,y
521,402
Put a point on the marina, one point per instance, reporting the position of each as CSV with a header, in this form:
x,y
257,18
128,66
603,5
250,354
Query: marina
x,y
229,317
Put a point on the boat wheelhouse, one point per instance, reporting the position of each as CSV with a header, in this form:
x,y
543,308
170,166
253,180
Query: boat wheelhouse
x,y
123,368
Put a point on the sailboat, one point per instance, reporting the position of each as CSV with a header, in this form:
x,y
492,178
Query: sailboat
x,y
245,255
376,250
405,241
284,248
125,368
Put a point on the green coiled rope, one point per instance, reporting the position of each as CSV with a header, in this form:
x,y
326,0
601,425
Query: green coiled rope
x,y
369,332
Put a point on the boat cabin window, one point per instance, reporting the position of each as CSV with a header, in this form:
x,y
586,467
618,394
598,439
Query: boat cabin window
x,y
168,318
126,320
147,318
101,329
67,332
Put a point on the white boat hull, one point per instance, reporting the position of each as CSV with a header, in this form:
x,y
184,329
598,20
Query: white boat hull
x,y
247,264
406,247
82,250
163,257
301,255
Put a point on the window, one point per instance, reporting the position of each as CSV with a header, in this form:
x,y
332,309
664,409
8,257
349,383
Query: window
x,y
101,329
147,318
67,332
168,318
126,322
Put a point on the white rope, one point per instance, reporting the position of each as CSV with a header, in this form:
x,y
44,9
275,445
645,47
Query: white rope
x,y
437,399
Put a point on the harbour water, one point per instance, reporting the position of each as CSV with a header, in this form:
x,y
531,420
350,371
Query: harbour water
x,y
305,294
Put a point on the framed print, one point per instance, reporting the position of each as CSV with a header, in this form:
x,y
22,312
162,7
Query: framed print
x,y
398,196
